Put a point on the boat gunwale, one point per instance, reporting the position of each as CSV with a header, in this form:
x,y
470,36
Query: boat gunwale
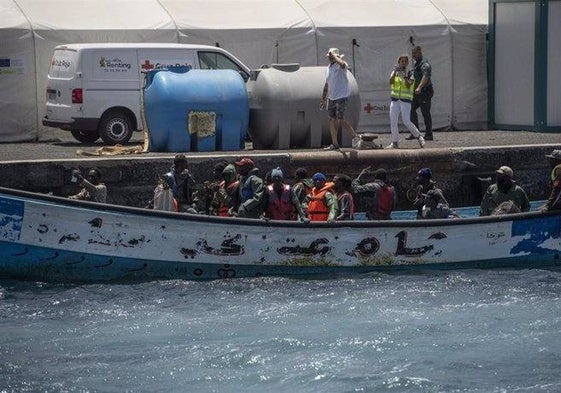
x,y
104,207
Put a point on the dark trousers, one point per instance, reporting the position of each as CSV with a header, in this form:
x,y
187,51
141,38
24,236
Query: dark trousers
x,y
423,101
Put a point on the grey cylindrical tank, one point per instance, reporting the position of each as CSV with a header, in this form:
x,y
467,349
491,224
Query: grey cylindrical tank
x,y
284,107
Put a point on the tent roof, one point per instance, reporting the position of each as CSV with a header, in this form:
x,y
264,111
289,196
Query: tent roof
x,y
239,14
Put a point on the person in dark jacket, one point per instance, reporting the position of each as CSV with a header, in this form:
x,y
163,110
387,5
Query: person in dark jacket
x,y
345,200
380,195
424,185
181,183
252,189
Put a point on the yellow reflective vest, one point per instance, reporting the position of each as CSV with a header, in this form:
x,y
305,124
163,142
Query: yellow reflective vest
x,y
400,90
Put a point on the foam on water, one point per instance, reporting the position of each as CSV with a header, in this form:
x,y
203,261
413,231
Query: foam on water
x,y
468,331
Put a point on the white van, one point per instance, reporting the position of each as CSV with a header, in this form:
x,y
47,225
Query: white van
x,y
93,90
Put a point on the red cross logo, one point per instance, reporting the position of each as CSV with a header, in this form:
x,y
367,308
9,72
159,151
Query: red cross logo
x,y
368,108
147,65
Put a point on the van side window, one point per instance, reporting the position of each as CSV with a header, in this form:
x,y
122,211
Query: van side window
x,y
217,61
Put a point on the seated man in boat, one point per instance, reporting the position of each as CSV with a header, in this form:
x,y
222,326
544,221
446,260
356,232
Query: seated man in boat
x,y
251,190
504,189
181,183
281,202
322,201
302,187
226,198
92,188
434,208
424,185
345,200
380,195
554,200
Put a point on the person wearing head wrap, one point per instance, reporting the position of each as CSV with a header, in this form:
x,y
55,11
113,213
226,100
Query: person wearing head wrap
x,y
251,190
379,196
424,185
226,199
322,202
280,201
302,187
554,200
503,190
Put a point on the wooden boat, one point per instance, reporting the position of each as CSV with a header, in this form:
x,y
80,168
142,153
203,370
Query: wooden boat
x,y
54,239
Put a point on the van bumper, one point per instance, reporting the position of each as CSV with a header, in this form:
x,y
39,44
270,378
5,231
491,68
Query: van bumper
x,y
82,124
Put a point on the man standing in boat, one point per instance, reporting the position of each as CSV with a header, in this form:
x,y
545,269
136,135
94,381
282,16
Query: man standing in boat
x,y
504,190
252,190
322,205
281,203
380,196
181,183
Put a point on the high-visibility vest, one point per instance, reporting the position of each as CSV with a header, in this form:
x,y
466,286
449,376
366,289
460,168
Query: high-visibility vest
x,y
317,208
400,91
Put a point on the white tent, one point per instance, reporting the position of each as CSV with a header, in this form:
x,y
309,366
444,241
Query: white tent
x,y
452,34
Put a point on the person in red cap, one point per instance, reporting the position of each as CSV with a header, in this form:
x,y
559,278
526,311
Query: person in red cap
x,y
503,190
252,189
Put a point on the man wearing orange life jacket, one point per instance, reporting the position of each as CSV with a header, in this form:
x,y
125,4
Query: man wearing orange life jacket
x,y
345,201
322,205
380,196
281,202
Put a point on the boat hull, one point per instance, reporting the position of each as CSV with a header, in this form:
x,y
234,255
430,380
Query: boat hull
x,y
57,240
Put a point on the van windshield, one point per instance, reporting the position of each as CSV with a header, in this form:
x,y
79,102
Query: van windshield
x,y
63,63
217,61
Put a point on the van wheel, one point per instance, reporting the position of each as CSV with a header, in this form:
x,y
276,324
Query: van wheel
x,y
115,128
85,136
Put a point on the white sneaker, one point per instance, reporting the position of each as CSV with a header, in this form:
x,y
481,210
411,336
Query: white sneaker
x,y
421,141
331,147
393,145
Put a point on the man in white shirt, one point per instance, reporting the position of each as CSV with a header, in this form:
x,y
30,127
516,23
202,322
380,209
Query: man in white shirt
x,y
335,95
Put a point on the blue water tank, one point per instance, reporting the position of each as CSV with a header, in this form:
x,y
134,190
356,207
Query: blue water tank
x,y
195,110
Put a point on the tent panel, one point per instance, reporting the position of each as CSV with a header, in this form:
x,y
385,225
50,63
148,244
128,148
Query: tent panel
x,y
554,65
514,44
360,13
96,15
227,15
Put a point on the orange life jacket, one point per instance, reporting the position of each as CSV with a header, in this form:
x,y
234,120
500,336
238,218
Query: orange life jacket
x,y
317,208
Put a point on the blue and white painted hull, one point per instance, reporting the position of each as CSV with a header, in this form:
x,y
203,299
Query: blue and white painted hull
x,y
54,239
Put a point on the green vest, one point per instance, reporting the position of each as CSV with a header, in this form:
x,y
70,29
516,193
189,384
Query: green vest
x,y
400,91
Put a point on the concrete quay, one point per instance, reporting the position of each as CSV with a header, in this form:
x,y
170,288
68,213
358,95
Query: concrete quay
x,y
459,159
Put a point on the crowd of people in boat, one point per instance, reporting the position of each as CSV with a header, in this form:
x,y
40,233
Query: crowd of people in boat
x,y
239,191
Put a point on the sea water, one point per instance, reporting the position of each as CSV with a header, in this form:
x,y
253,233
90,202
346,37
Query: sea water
x,y
458,331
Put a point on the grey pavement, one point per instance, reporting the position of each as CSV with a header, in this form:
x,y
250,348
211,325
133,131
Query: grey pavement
x,y
58,144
